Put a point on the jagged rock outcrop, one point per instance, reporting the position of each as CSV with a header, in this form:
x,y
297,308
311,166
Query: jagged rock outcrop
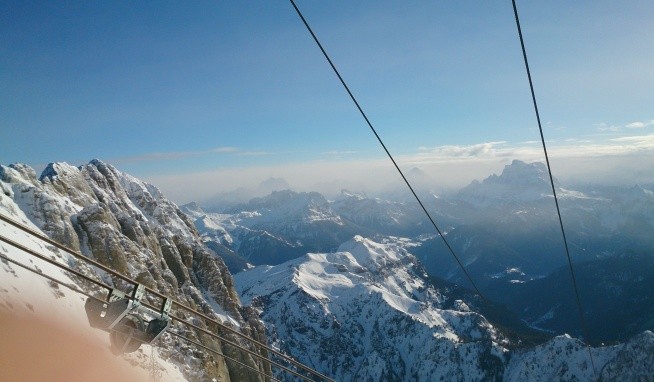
x,y
131,227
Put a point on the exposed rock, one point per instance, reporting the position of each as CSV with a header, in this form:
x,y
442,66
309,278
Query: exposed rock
x,y
132,228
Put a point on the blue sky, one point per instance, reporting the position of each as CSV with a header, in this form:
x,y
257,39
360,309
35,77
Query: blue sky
x,y
175,92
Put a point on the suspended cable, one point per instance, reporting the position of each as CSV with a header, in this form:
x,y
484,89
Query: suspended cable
x,y
48,277
556,201
381,142
80,291
172,333
53,262
205,331
176,303
144,303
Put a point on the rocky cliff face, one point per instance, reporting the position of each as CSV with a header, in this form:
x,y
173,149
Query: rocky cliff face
x,y
131,227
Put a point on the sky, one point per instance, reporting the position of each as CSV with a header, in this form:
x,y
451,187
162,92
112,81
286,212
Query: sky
x,y
207,96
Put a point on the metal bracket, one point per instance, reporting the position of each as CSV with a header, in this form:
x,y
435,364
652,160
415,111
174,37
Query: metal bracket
x,y
119,316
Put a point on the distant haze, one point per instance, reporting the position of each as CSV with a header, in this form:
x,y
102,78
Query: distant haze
x,y
375,175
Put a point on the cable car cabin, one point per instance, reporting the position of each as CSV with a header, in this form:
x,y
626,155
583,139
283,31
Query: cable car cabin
x,y
125,318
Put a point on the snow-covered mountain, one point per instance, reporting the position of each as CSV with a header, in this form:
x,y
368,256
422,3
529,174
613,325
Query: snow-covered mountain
x,y
518,182
504,229
275,228
381,216
228,199
567,359
369,312
363,310
509,221
131,227
510,241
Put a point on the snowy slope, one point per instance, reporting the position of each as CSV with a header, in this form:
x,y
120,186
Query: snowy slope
x,y
567,359
131,227
368,312
23,292
275,228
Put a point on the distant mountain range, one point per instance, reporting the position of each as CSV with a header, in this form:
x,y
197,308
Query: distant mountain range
x,y
360,287
504,229
370,312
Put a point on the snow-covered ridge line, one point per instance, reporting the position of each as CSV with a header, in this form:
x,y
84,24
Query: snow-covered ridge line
x,y
369,312
131,227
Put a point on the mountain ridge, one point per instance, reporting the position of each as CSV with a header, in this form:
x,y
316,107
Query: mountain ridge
x,y
130,226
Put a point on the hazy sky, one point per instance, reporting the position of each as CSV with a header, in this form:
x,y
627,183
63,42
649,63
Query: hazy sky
x,y
199,97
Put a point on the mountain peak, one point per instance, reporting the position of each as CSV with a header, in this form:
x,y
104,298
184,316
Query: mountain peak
x,y
192,208
519,181
368,253
416,171
521,173
349,194
58,169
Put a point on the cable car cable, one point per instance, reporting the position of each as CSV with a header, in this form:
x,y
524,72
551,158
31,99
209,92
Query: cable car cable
x,y
48,277
381,142
175,302
82,292
144,303
549,170
205,331
172,333
53,262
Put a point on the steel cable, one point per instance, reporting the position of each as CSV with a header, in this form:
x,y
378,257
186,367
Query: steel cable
x,y
80,291
390,156
556,201
178,304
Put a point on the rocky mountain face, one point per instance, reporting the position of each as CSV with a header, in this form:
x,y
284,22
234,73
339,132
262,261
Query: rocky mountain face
x,y
519,182
131,227
369,312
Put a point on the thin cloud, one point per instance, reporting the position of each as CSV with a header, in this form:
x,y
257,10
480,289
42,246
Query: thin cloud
x,y
159,156
486,149
224,150
640,125
252,153
339,153
638,142
177,155
624,160
635,125
604,127
570,148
